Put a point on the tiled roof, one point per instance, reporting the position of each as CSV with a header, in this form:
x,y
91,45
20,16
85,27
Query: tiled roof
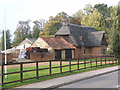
x,y
57,43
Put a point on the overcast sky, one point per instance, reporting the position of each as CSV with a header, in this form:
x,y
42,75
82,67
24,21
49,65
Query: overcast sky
x,y
16,10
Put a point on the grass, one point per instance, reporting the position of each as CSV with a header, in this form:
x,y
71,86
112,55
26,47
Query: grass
x,y
13,77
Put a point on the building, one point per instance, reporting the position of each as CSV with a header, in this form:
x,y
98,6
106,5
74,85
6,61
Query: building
x,y
26,43
58,48
87,40
71,41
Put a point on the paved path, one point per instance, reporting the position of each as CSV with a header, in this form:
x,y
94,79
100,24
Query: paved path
x,y
53,83
109,80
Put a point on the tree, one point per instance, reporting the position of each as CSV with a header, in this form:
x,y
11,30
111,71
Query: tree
x,y
116,37
103,9
88,9
95,19
62,17
8,39
116,42
54,24
37,28
76,18
22,32
50,28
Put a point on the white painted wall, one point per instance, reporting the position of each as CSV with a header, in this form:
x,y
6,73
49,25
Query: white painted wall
x,y
26,45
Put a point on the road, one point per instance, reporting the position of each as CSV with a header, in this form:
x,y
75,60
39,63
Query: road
x,y
109,80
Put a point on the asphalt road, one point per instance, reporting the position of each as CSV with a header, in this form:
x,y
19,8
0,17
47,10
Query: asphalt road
x,y
109,80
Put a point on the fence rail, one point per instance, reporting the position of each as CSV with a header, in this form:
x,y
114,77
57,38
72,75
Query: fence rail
x,y
81,63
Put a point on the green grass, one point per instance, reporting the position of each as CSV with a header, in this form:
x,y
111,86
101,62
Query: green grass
x,y
13,77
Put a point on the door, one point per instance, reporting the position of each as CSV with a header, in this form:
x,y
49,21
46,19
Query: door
x,y
57,54
68,53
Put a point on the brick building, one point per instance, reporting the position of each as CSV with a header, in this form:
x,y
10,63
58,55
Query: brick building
x,y
87,40
58,48
72,41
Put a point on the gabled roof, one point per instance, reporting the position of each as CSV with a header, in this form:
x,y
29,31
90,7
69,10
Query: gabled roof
x,y
57,43
28,40
81,35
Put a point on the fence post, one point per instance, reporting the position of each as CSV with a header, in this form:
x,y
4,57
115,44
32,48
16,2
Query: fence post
x,y
105,59
50,64
37,70
109,61
116,59
21,72
2,74
91,62
96,61
101,60
61,66
70,65
84,63
112,59
78,63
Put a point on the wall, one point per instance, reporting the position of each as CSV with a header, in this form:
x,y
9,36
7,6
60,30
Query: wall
x,y
78,52
42,56
94,51
103,49
23,46
9,56
42,44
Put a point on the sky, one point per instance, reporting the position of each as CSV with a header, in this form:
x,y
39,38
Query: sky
x,y
12,11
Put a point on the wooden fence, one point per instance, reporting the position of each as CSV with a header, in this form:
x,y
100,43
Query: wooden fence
x,y
97,61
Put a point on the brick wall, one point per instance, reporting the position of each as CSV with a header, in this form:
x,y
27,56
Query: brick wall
x,y
42,56
94,51
78,52
9,56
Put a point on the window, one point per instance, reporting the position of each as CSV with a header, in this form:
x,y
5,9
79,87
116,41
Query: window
x,y
24,46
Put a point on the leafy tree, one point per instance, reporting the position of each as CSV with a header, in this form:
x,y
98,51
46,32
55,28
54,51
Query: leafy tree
x,y
22,32
116,42
111,24
8,39
88,9
54,24
37,28
116,37
62,17
103,9
76,18
50,28
94,20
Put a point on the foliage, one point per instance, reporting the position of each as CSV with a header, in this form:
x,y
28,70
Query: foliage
x,y
94,20
116,42
37,28
54,24
8,39
76,18
22,32
103,9
88,9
